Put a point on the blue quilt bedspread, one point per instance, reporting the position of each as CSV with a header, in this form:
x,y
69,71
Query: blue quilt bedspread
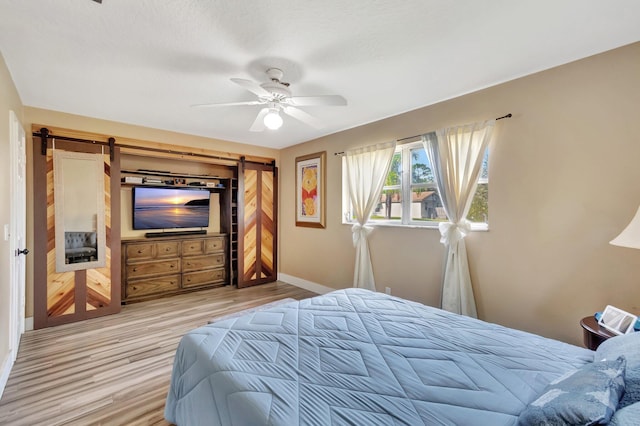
x,y
361,358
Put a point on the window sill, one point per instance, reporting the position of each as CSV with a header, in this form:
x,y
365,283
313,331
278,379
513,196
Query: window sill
x,y
475,227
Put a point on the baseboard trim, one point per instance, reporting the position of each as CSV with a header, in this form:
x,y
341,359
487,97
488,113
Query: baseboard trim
x,y
28,324
305,284
7,363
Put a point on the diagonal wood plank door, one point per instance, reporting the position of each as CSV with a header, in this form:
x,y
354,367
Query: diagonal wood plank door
x,y
64,297
257,202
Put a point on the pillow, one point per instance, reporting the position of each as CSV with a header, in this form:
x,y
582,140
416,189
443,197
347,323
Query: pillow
x,y
627,345
631,389
586,396
627,416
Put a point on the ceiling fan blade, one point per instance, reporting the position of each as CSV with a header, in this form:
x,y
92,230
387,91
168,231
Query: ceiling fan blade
x,y
229,104
258,124
252,86
331,100
300,115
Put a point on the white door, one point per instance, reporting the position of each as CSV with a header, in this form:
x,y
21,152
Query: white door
x,y
17,231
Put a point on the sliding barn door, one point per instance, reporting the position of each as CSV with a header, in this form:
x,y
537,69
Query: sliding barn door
x,y
62,297
257,209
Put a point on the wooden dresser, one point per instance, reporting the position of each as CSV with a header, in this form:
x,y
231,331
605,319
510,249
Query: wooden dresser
x,y
157,267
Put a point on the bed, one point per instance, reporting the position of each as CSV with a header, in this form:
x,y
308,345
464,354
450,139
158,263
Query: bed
x,y
363,358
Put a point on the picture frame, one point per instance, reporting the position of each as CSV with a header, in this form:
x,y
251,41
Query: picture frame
x,y
310,190
617,321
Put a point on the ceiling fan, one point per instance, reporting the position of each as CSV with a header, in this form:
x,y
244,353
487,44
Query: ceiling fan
x,y
276,96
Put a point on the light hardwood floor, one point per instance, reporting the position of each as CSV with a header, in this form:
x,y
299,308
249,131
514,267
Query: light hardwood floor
x,y
115,370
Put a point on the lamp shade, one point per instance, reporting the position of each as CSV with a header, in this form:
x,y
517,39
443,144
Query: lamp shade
x,y
630,236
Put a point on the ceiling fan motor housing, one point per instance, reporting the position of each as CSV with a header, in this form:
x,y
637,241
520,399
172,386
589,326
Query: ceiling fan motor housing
x,y
277,88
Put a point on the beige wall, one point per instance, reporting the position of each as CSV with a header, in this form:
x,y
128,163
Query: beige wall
x,y
564,180
9,101
76,122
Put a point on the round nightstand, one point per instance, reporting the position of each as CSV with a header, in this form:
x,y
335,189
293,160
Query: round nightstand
x,y
593,333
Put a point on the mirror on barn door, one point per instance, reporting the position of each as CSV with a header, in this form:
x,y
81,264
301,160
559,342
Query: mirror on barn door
x,y
79,210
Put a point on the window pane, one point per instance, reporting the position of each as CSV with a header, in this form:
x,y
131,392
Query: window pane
x,y
390,205
426,205
420,168
479,211
484,172
395,171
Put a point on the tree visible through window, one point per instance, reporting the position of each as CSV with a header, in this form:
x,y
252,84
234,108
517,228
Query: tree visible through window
x,y
479,210
392,192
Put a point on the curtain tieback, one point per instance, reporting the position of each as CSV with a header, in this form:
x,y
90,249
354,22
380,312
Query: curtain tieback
x,y
360,232
451,232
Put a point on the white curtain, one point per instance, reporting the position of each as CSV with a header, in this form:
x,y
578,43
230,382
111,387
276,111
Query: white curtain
x,y
367,170
456,155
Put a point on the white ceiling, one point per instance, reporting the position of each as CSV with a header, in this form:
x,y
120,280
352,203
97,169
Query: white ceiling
x,y
145,62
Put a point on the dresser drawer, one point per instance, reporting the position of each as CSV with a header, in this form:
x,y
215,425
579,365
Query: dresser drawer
x,y
193,279
203,262
136,252
213,245
153,268
167,249
192,247
152,286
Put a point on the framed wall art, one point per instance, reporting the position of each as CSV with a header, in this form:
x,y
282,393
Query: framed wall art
x,y
310,190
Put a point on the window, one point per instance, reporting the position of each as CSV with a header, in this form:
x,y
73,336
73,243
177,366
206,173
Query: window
x,y
479,210
410,195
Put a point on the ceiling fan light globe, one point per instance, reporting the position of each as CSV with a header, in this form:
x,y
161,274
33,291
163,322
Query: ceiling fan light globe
x,y
273,121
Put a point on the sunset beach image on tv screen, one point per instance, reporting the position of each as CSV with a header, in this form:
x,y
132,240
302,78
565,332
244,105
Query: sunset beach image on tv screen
x,y
159,208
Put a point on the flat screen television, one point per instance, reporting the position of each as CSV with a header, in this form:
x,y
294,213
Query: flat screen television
x,y
164,208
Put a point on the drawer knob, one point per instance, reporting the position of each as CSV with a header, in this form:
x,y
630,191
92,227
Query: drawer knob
x,y
167,249
170,266
135,269
139,251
